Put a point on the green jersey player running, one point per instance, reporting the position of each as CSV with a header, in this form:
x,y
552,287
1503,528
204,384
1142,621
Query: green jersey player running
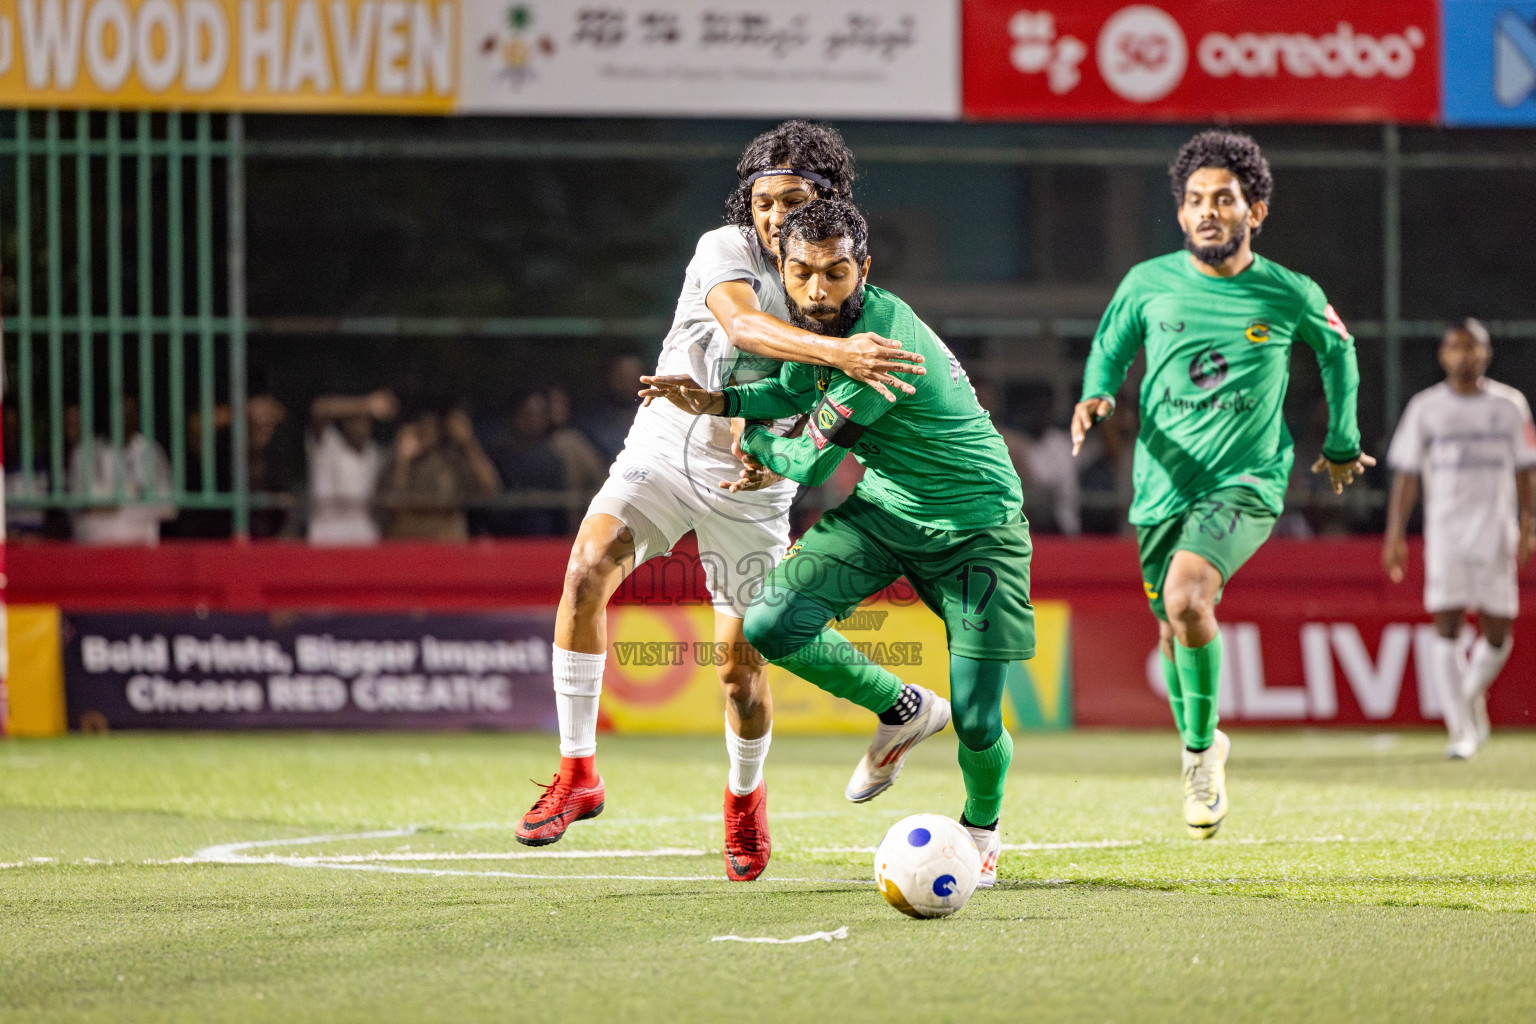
x,y
939,504
1213,453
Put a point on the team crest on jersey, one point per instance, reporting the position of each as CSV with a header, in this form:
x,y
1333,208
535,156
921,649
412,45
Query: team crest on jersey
x,y
1257,332
1335,322
791,551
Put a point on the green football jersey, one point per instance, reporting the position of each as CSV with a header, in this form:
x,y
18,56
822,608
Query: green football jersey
x,y
1218,361
931,458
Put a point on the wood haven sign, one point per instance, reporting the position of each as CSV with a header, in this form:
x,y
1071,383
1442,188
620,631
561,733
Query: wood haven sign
x,y
1201,60
358,56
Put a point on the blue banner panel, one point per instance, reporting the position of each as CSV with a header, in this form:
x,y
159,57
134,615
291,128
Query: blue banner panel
x,y
1490,63
301,671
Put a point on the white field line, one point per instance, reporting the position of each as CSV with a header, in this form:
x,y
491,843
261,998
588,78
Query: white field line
x,y
233,853
407,856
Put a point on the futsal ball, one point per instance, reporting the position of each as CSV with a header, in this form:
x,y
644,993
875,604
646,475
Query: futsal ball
x,y
927,866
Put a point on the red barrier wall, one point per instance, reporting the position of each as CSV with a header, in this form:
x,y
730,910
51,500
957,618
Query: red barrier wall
x,y
1316,634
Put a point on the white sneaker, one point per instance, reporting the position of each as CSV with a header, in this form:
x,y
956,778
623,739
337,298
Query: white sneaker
x,y
1463,745
989,843
882,762
1205,788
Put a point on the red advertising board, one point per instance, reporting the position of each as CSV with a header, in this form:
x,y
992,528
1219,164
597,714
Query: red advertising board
x,y
1200,60
1312,634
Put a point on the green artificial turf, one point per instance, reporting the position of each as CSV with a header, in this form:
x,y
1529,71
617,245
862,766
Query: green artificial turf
x,y
1358,877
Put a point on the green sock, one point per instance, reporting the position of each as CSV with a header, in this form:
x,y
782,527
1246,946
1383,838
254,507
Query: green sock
x,y
835,665
1199,673
1175,692
984,772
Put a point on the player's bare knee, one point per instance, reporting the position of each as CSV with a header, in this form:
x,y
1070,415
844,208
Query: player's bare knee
x,y
745,686
588,580
1187,608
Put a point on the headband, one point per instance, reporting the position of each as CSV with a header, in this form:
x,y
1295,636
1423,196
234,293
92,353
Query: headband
x,y
810,176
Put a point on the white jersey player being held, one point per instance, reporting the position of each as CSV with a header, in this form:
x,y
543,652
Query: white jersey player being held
x,y
678,473
1471,442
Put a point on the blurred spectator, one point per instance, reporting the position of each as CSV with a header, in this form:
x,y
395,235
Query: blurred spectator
x,y
527,460
1050,476
607,419
344,466
138,476
264,413
1105,467
438,466
585,468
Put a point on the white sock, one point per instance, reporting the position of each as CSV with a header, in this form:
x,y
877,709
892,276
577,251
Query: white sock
x,y
1487,662
578,684
747,757
1448,675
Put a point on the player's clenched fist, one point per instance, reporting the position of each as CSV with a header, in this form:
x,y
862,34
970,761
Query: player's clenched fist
x,y
685,393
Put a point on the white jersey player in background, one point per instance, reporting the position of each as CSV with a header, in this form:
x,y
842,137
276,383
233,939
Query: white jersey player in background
x,y
671,478
1471,442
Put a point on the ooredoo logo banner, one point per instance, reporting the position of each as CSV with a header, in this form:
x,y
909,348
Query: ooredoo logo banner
x,y
1302,60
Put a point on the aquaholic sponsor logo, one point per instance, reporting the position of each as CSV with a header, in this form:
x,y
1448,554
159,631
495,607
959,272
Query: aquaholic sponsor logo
x,y
1332,55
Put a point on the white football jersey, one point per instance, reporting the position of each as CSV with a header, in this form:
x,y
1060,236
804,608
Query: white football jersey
x,y
696,345
1466,449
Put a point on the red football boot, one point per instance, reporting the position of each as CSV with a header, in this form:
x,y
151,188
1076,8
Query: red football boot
x,y
576,794
746,834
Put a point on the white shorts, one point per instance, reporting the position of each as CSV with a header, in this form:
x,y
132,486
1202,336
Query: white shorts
x,y
741,538
1452,584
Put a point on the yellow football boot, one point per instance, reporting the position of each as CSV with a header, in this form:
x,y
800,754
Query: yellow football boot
x,y
1205,788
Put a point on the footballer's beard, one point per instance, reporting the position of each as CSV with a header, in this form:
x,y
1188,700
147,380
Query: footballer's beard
x,y
839,326
1216,255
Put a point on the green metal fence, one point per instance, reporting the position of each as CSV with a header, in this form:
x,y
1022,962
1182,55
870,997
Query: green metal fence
x,y
124,234
122,298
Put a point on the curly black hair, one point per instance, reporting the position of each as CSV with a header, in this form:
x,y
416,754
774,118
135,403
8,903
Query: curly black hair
x,y
822,219
799,144
1230,151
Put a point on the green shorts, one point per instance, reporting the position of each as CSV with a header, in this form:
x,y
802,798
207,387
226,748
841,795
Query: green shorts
x,y
977,581
1225,528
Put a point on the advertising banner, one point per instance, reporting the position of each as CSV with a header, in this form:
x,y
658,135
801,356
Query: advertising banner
x,y
289,671
849,58
1490,63
1289,660
865,58
1198,60
660,675
360,56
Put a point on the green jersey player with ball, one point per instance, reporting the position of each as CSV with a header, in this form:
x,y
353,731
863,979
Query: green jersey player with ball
x,y
939,504
1213,453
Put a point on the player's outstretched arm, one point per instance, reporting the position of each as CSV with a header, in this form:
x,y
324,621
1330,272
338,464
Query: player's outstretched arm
x,y
1085,415
1394,546
685,393
867,358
